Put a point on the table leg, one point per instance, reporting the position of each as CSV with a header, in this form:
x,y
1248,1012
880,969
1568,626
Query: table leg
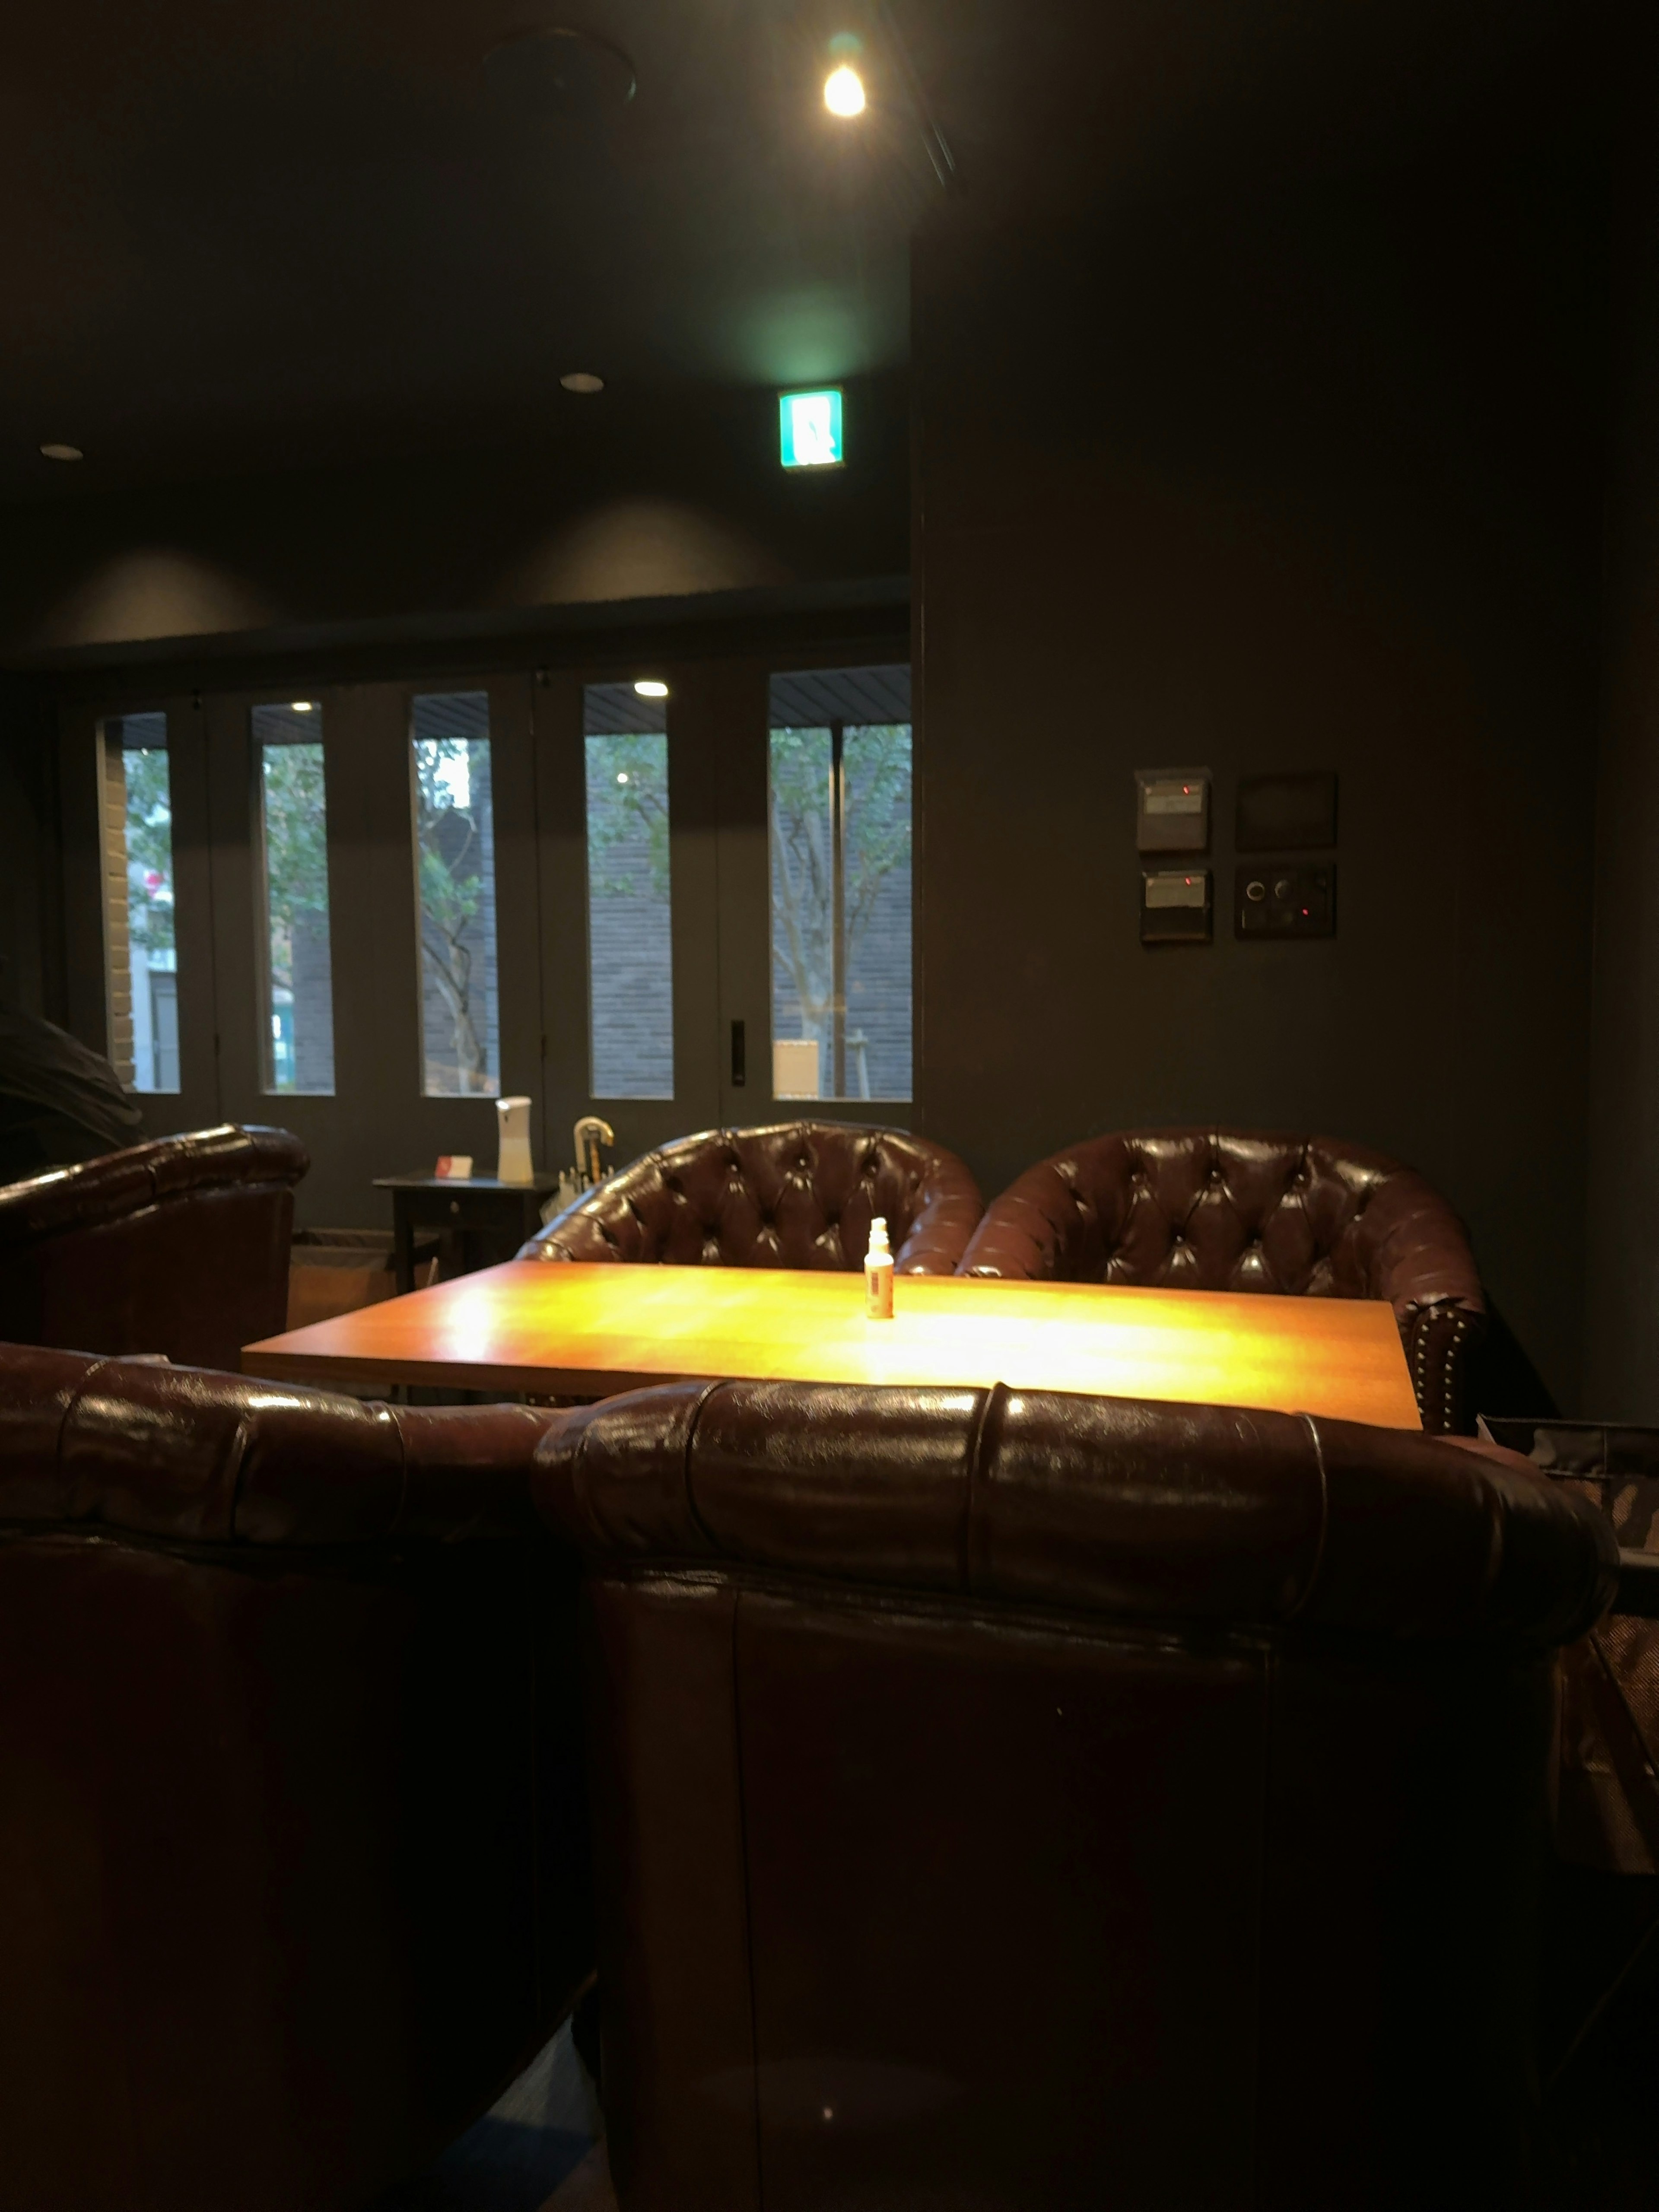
x,y
403,1243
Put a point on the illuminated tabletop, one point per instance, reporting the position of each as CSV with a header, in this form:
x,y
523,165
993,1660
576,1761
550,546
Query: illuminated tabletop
x,y
559,1329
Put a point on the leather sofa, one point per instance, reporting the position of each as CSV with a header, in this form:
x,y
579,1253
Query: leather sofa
x,y
1016,1800
179,1246
800,1194
1233,1210
292,1817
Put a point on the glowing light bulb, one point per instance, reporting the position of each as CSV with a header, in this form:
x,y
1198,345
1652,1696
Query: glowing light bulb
x,y
301,706
649,688
844,91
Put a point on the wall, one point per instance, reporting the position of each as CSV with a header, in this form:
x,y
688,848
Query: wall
x,y
665,504
30,907
1286,457
1622,1333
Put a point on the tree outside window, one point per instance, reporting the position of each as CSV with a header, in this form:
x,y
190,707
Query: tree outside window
x,y
458,923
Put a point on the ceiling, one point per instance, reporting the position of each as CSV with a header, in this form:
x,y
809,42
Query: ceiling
x,y
244,235
240,236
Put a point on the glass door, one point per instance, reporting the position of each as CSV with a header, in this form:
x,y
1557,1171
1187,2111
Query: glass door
x,y
138,906
816,812
626,793
374,904
675,894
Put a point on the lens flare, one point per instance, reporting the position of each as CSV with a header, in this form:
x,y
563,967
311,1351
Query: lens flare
x,y
843,92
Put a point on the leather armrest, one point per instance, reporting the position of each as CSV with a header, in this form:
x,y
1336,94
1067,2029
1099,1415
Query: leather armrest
x,y
941,1233
1031,1233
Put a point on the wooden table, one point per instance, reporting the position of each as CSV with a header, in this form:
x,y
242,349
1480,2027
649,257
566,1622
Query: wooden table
x,y
553,1328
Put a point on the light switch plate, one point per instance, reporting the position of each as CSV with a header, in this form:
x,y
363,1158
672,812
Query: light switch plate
x,y
1175,906
1172,810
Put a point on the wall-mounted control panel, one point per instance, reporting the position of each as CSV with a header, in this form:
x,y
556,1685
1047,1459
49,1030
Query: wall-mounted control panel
x,y
1172,810
1285,898
1285,813
1175,906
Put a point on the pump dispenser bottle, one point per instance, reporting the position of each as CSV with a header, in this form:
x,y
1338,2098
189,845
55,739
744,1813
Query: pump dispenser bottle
x,y
879,1273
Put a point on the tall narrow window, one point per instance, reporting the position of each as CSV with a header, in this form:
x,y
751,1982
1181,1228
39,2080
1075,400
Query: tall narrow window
x,y
840,806
140,945
299,1010
455,859
630,907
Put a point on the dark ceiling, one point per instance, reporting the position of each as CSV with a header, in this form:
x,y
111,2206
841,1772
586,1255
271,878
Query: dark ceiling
x,y
238,234
248,236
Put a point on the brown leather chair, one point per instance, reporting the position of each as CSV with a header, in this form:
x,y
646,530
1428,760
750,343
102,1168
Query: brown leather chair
x,y
179,1246
801,1194
292,1821
1236,1210
1012,1800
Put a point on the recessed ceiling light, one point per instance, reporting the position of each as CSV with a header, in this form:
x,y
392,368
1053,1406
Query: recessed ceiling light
x,y
649,688
844,91
55,452
582,379
301,706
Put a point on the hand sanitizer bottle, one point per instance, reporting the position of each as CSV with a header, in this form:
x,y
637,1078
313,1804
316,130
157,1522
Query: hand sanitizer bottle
x,y
878,1274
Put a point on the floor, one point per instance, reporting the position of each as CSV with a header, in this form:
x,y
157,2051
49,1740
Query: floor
x,y
588,2189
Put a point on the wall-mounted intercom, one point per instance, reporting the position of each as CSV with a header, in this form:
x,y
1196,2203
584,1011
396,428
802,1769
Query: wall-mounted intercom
x,y
1280,899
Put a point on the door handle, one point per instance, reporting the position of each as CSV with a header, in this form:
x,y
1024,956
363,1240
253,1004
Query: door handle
x,y
740,1057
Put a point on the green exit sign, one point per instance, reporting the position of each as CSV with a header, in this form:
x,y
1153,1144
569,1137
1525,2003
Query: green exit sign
x,y
809,429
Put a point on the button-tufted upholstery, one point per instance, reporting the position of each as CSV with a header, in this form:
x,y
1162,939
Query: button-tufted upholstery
x,y
801,1194
179,1246
1031,1801
292,1818
1233,1210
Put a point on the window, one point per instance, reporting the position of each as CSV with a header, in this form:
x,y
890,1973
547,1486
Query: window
x,y
299,1011
455,857
629,934
140,947
840,833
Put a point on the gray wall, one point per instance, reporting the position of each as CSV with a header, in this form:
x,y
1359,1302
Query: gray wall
x,y
30,904
1622,1290
1295,466
627,501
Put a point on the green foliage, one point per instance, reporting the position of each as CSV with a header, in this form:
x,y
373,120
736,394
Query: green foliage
x,y
875,841
876,837
624,814
149,848
450,837
296,847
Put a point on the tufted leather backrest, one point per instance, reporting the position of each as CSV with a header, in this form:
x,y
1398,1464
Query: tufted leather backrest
x,y
1228,1209
1153,1511
1242,1210
179,1246
293,1818
1211,1748
125,1447
800,1194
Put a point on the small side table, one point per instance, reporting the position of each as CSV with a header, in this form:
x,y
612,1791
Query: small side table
x,y
482,1221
